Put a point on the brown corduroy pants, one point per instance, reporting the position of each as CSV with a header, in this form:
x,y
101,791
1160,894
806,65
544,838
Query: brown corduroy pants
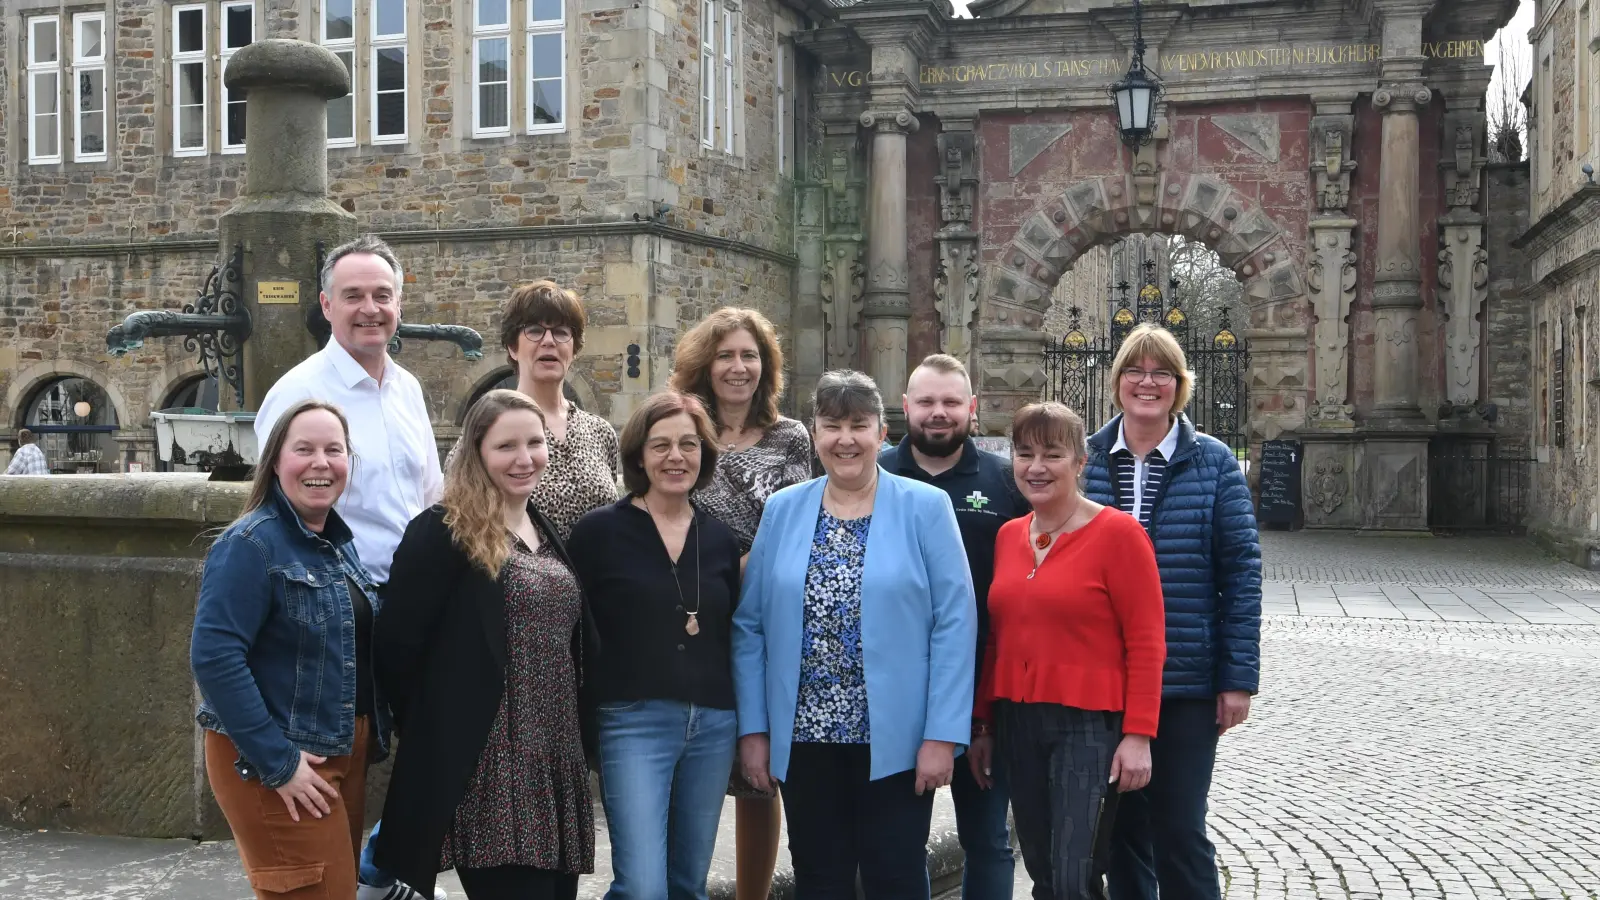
x,y
312,859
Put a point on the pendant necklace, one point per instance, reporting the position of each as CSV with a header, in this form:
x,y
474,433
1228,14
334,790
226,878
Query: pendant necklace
x,y
1042,541
693,625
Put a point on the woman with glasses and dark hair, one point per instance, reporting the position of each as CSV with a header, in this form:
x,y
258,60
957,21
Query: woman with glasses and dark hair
x,y
854,646
542,331
662,577
732,361
1189,493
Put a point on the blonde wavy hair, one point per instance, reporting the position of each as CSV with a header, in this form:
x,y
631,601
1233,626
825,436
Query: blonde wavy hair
x,y
1154,343
471,501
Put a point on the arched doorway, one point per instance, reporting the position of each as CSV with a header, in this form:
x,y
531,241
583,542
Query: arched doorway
x,y
1030,258
1167,280
75,421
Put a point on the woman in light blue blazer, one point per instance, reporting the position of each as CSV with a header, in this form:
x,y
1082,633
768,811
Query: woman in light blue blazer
x,y
853,653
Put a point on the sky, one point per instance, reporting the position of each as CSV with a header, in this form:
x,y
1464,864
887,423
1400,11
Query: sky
x,y
1514,38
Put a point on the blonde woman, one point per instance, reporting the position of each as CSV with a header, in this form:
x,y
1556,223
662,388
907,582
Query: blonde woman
x,y
480,655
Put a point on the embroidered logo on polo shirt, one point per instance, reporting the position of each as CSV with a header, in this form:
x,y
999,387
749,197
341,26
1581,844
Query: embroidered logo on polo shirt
x,y
977,500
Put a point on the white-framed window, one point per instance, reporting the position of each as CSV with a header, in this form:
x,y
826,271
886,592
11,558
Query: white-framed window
x,y
238,24
547,66
89,93
730,56
338,28
190,68
44,90
784,61
388,71
708,73
491,68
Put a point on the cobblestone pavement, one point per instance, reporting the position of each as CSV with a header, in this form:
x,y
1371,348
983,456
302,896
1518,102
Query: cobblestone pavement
x,y
1426,731
1418,736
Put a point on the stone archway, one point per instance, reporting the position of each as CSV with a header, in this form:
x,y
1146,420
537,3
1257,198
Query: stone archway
x,y
29,380
1019,276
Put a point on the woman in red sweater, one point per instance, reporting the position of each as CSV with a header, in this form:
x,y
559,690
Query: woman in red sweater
x,y
1071,684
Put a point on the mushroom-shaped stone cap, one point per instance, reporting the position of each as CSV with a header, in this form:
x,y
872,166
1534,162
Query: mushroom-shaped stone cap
x,y
288,65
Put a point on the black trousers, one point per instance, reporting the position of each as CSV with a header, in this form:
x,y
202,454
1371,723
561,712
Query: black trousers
x,y
1058,759
841,821
1161,840
517,883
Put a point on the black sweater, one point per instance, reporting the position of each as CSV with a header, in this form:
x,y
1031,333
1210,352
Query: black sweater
x,y
628,582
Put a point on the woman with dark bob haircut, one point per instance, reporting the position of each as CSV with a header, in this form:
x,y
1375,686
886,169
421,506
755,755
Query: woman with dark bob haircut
x,y
854,646
541,328
732,361
662,578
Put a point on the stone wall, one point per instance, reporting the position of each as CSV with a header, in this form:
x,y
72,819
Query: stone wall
x,y
97,732
1507,329
632,132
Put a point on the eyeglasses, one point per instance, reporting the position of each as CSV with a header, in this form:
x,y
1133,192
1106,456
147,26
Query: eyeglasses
x,y
686,446
1161,377
561,334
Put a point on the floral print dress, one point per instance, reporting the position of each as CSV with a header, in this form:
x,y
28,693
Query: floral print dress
x,y
832,705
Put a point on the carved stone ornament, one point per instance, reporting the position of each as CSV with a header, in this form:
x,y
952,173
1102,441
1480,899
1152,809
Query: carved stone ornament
x,y
844,188
1463,288
886,121
956,286
1331,163
1329,485
1465,165
958,176
843,285
1401,98
1331,277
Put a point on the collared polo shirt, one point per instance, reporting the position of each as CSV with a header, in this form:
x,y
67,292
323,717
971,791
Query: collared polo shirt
x,y
394,467
984,495
1139,477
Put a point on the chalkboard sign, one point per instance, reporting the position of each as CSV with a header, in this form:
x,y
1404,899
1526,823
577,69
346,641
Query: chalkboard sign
x,y
1280,484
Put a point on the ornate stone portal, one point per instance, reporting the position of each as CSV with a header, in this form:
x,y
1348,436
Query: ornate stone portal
x,y
1015,150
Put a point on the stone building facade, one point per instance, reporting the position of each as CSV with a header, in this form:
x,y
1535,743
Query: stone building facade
x,y
491,141
1562,248
888,181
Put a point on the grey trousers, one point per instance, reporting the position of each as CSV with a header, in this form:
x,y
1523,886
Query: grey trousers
x,y
1058,759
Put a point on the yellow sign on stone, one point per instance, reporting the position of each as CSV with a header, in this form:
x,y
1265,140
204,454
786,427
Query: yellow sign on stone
x,y
286,292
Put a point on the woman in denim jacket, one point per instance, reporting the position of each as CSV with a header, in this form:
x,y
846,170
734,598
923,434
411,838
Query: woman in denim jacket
x,y
280,652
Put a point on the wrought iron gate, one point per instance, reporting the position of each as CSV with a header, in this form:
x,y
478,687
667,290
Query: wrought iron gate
x,y
1078,365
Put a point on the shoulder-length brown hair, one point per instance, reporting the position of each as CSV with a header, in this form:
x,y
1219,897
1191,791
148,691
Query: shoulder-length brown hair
x,y
691,362
266,477
472,503
665,405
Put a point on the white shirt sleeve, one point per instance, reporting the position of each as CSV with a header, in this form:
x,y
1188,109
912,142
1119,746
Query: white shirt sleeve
x,y
282,395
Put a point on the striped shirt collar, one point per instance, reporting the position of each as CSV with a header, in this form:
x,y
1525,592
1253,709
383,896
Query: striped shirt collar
x,y
1167,447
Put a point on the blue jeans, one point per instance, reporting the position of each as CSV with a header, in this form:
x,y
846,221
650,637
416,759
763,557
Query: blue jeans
x,y
664,770
371,875
1161,845
991,867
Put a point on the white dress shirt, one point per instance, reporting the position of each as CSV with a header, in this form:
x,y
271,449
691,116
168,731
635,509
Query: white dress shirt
x,y
1166,448
394,465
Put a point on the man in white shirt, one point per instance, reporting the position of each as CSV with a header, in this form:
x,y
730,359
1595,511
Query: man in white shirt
x,y
395,472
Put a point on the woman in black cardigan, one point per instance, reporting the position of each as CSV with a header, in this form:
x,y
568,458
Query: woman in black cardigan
x,y
480,652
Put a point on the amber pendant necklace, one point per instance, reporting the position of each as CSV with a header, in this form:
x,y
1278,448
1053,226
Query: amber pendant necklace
x,y
693,625
1042,541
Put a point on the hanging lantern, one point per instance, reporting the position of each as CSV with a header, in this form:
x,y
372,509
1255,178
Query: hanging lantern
x,y
1136,93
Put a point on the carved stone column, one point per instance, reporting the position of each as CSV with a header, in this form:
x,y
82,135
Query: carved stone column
x,y
843,276
1392,460
1397,288
1463,276
956,283
886,310
1331,269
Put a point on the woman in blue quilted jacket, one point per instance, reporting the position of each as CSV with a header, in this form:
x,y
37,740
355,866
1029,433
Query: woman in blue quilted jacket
x,y
1189,492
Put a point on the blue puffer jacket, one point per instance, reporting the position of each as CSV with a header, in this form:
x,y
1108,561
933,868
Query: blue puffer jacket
x,y
1204,530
